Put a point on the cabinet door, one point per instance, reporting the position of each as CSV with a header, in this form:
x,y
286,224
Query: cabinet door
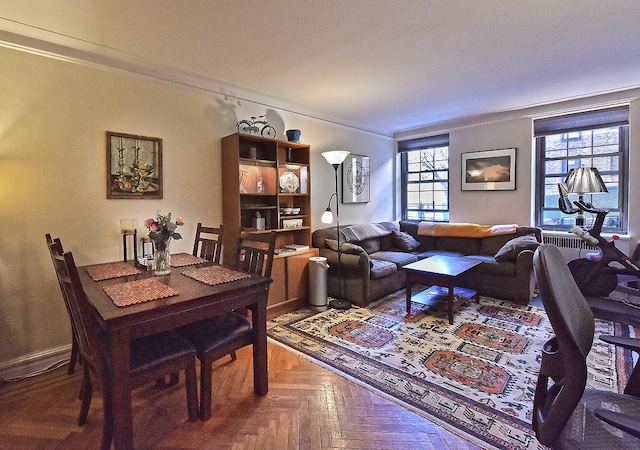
x,y
278,288
298,276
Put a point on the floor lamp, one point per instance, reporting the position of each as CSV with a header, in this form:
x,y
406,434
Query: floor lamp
x,y
335,158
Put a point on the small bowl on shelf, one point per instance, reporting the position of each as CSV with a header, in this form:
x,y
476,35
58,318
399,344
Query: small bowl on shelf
x,y
286,211
295,211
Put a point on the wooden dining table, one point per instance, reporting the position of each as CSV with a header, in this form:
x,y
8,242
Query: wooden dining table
x,y
188,300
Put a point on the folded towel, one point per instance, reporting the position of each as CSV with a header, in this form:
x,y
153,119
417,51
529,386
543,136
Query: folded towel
x,y
469,230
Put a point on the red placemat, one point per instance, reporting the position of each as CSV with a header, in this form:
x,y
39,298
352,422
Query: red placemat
x,y
185,259
138,291
111,270
213,275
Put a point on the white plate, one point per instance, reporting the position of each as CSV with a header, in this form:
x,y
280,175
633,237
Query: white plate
x,y
289,182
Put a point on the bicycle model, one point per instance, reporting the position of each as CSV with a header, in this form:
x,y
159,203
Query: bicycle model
x,y
594,274
257,125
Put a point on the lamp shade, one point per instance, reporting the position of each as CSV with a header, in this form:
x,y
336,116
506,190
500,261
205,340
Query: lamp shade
x,y
327,216
335,157
585,180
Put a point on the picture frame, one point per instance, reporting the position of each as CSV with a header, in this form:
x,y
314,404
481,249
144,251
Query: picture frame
x,y
355,179
489,170
134,166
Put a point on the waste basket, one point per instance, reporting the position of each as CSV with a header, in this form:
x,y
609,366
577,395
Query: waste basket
x,y
318,283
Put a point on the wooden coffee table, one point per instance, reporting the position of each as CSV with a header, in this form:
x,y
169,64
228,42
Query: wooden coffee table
x,y
443,274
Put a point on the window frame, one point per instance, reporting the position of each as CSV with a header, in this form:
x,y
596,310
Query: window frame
x,y
588,121
419,145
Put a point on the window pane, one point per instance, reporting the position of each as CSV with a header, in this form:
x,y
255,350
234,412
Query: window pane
x,y
426,192
602,148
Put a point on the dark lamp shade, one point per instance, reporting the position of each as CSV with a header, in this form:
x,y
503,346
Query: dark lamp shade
x,y
585,180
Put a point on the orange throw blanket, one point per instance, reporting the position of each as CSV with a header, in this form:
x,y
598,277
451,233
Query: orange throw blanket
x,y
469,230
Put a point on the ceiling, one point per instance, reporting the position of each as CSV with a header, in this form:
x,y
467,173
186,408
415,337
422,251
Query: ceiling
x,y
377,65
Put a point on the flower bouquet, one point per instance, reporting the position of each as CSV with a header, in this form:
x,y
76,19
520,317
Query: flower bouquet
x,y
161,231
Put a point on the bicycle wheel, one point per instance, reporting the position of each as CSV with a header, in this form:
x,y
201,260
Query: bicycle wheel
x,y
269,132
600,284
243,126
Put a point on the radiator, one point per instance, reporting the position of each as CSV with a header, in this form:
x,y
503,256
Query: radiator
x,y
572,247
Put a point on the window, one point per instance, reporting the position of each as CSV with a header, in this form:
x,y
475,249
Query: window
x,y
597,139
425,178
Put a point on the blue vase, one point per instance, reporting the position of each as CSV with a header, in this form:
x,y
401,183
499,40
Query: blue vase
x,y
293,135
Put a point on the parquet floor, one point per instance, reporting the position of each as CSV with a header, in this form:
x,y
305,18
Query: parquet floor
x,y
307,407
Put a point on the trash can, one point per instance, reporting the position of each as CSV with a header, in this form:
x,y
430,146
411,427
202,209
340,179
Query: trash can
x,y
318,283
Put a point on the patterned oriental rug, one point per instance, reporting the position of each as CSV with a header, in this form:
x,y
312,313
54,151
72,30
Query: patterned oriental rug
x,y
476,378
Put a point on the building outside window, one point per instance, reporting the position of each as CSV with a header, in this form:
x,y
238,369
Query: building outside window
x,y
425,178
597,139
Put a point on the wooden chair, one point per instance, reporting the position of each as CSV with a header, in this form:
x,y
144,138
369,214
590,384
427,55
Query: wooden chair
x,y
152,357
208,243
224,334
74,339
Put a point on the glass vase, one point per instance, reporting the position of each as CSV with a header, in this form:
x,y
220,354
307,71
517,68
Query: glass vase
x,y
162,259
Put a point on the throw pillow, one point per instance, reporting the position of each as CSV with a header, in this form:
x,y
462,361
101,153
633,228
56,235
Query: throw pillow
x,y
404,241
345,247
512,248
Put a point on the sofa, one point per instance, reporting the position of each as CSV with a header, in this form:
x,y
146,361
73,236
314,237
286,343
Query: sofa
x,y
373,254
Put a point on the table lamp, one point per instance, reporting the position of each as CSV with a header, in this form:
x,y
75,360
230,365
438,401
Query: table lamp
x,y
581,181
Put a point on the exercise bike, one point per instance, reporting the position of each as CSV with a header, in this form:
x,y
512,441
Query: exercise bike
x,y
598,274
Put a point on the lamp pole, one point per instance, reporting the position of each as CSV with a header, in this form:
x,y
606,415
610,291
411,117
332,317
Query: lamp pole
x,y
335,158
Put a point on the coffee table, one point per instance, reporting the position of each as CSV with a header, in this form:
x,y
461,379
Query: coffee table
x,y
443,274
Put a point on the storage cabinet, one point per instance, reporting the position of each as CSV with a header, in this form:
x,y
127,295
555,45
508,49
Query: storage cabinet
x,y
266,186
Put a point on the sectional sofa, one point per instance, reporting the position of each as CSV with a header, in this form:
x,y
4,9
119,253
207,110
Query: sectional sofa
x,y
372,256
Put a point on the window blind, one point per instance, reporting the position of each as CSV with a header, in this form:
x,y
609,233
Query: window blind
x,y
582,121
441,140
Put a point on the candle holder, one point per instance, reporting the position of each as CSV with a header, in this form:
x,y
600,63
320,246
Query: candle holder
x,y
128,227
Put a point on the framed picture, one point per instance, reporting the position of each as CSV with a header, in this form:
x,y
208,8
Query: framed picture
x,y
489,170
355,179
134,166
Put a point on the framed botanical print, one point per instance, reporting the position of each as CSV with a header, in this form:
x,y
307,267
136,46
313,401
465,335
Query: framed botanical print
x,y
489,170
134,166
355,179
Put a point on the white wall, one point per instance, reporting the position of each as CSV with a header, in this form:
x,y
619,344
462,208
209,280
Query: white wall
x,y
53,119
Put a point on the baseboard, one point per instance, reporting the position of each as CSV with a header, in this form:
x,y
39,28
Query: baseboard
x,y
35,363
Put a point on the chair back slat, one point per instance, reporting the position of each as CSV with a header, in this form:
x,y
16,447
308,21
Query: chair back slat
x,y
255,252
90,338
208,243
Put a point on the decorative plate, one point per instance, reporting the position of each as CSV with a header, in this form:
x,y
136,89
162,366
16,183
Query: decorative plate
x,y
289,182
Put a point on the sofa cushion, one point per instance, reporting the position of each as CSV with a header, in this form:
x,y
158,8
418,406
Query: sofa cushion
x,y
465,246
404,241
381,269
513,247
399,258
345,247
386,242
370,245
360,232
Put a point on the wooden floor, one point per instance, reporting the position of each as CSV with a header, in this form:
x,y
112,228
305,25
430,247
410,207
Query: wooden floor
x,y
307,407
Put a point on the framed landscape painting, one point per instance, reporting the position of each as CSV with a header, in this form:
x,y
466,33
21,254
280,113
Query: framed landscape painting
x,y
489,170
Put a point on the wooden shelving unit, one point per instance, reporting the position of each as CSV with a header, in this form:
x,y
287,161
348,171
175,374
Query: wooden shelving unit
x,y
261,178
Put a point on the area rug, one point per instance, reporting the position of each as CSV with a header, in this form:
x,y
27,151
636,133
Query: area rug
x,y
476,378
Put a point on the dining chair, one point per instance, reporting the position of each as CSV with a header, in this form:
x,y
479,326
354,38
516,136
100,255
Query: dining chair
x,y
224,334
152,357
208,242
565,414
74,339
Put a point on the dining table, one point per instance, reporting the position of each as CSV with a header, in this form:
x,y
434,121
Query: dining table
x,y
131,302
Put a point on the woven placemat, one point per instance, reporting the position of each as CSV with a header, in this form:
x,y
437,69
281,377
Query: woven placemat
x,y
111,270
185,259
138,291
213,275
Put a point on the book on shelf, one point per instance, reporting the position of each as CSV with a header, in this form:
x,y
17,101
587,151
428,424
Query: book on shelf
x,y
297,247
283,251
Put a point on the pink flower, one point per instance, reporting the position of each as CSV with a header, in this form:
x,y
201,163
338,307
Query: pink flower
x,y
179,221
151,224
